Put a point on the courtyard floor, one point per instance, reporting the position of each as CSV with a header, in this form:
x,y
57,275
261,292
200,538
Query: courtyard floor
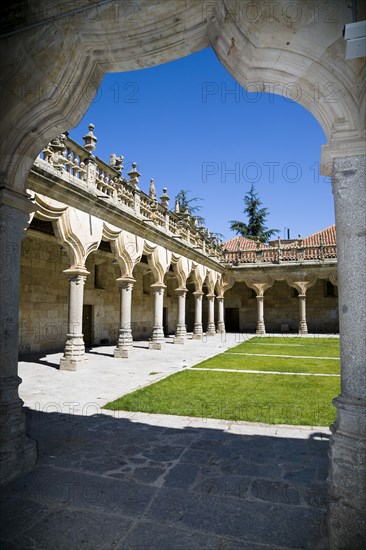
x,y
122,480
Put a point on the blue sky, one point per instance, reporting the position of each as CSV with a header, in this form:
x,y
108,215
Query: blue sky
x,y
190,125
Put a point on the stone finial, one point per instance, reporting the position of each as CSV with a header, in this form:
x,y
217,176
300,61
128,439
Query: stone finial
x,y
134,175
186,213
164,198
177,207
90,140
152,191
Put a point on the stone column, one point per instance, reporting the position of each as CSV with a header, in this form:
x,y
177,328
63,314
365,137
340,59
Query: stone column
x,y
197,330
181,330
303,327
124,344
74,353
220,320
347,475
17,452
211,329
261,328
157,339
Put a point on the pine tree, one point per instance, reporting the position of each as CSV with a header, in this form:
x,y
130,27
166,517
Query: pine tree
x,y
255,228
186,204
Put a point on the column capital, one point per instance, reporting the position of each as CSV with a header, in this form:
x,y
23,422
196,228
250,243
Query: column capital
x,y
158,286
74,273
9,197
209,296
198,293
181,291
219,298
122,281
340,148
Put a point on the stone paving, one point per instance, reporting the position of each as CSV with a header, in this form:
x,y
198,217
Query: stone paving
x,y
118,480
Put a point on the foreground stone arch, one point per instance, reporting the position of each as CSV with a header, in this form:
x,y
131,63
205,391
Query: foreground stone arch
x,y
53,60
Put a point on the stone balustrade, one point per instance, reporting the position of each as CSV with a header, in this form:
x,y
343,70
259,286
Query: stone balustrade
x,y
281,254
68,160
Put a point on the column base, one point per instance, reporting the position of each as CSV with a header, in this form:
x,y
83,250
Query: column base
x,y
156,345
72,363
303,332
197,336
347,476
303,328
180,339
221,327
122,353
261,329
211,329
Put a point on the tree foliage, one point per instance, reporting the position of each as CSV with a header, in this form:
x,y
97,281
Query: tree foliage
x,y
255,228
186,203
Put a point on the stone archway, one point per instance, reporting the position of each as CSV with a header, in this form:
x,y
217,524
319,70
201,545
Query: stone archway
x,y
53,61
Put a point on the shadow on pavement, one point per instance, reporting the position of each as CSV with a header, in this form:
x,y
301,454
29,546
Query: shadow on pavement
x,y
107,483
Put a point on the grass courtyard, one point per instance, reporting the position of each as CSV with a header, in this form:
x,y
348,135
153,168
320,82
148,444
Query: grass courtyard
x,y
300,393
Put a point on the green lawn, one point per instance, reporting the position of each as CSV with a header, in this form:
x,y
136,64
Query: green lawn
x,y
280,364
315,347
268,398
273,399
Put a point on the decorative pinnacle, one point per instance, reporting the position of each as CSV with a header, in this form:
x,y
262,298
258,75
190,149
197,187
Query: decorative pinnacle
x,y
90,140
134,175
164,198
152,191
177,207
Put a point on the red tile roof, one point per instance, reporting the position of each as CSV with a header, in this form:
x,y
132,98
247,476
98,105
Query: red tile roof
x,y
328,236
242,243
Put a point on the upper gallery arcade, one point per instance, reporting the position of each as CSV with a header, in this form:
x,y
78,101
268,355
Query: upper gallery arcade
x,y
105,262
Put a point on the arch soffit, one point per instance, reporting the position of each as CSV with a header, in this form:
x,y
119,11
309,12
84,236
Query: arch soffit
x,y
172,31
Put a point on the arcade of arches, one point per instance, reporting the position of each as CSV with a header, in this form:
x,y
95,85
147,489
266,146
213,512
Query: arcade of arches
x,y
50,56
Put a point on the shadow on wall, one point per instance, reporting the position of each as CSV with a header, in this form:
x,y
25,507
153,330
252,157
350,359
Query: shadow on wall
x,y
101,480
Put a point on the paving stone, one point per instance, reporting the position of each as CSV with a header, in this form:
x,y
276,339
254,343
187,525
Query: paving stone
x,y
223,487
164,453
75,529
275,491
196,457
18,514
101,493
153,536
315,494
299,474
260,522
243,467
148,475
182,476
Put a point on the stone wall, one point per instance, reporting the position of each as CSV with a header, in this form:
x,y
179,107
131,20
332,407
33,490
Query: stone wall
x,y
44,297
281,308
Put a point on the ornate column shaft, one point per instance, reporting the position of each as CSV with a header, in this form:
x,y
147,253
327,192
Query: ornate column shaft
x,y
74,353
17,452
124,344
303,327
347,475
181,330
211,329
261,328
197,330
157,339
220,320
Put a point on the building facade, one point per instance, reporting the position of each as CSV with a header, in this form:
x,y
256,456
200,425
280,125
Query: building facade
x,y
52,54
87,281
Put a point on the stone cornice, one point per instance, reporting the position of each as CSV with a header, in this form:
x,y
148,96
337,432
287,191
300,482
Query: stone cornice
x,y
79,197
